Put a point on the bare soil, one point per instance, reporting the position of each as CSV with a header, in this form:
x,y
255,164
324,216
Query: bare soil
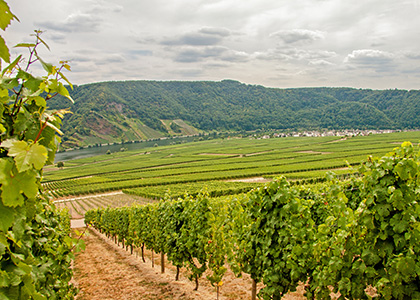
x,y
252,179
106,271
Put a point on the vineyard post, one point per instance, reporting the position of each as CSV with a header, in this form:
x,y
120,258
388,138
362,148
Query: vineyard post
x,y
162,262
254,290
142,252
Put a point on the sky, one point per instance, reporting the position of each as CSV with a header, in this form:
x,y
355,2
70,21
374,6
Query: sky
x,y
275,43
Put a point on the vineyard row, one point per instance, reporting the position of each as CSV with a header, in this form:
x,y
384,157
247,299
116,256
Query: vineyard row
x,y
346,235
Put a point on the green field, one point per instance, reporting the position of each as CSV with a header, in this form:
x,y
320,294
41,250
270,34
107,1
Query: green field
x,y
219,165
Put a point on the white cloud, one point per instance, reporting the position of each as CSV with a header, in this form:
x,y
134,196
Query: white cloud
x,y
101,6
370,58
294,54
320,62
358,43
76,22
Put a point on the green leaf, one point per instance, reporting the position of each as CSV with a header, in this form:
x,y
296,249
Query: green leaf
x,y
4,51
6,167
12,65
55,128
26,156
65,78
398,224
7,216
47,66
406,169
13,184
20,183
64,92
40,101
43,42
407,266
23,75
6,16
24,45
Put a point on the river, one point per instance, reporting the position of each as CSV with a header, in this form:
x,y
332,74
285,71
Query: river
x,y
93,151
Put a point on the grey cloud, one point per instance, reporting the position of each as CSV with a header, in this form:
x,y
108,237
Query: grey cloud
x,y
58,38
271,54
197,54
298,35
215,31
78,22
83,55
110,58
145,40
194,39
412,55
188,73
216,65
80,58
235,56
412,71
141,52
203,37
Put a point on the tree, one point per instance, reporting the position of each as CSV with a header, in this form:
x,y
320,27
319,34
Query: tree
x,y
60,164
35,246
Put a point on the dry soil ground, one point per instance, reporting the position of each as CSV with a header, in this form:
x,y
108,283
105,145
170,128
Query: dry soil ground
x,y
105,271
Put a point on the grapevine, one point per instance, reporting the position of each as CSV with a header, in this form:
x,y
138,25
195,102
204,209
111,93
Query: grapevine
x,y
35,243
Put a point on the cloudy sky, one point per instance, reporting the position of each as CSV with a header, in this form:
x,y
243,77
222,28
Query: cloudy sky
x,y
277,43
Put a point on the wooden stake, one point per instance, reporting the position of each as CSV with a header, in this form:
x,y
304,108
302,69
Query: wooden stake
x,y
162,262
254,290
177,273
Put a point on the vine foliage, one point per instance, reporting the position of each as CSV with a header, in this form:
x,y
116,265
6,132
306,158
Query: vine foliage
x,y
35,245
357,238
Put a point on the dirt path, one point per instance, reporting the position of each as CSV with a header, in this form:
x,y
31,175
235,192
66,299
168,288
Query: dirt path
x,y
105,271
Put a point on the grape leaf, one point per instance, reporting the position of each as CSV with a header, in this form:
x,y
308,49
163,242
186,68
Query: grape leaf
x,y
4,51
26,156
13,185
7,216
6,16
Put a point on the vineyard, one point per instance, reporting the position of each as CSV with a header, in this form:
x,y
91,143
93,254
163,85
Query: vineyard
x,y
320,213
220,165
340,235
317,213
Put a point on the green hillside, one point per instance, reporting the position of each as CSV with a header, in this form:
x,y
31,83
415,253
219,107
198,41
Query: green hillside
x,y
132,110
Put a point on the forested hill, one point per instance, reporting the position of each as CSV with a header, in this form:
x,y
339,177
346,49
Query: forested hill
x,y
133,110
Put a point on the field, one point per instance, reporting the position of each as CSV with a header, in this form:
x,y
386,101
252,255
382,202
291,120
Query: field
x,y
223,167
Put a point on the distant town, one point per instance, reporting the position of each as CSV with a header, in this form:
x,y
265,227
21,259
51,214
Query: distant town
x,y
349,132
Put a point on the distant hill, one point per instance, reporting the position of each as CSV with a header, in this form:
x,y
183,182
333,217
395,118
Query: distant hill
x,y
132,110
